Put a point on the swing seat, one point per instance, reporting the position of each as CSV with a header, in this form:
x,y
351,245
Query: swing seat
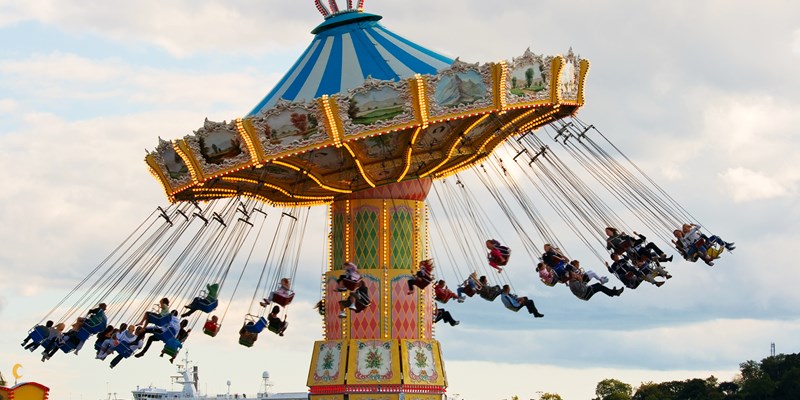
x,y
277,329
207,306
714,251
85,333
71,344
443,301
508,305
350,284
247,339
282,300
468,290
360,306
38,334
159,320
211,329
123,349
490,293
422,281
172,347
95,325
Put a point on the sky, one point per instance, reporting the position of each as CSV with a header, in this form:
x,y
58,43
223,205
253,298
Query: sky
x,y
702,94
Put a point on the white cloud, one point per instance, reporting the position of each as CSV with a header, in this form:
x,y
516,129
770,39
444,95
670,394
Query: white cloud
x,y
179,27
8,106
796,42
84,79
747,185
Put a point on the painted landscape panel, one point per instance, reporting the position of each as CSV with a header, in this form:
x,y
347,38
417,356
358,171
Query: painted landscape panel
x,y
219,145
569,82
380,104
527,79
176,167
460,88
290,126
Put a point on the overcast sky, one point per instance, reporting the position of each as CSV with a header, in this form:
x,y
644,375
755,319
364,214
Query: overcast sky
x,y
702,94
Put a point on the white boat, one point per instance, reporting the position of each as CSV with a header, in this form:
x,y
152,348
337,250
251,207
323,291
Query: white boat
x,y
187,377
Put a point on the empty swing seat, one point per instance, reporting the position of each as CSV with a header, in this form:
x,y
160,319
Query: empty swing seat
x,y
281,299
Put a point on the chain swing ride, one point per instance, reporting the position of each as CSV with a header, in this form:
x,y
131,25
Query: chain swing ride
x,y
369,124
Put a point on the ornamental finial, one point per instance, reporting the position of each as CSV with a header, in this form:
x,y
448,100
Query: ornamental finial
x,y
322,9
333,7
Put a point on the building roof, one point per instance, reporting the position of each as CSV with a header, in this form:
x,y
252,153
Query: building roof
x,y
347,48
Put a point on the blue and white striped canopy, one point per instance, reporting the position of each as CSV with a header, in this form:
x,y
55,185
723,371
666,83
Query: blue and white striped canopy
x,y
348,48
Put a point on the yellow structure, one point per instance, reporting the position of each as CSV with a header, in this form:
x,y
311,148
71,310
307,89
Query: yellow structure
x,y
25,391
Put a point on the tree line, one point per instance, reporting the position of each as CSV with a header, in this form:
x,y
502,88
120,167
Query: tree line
x,y
773,378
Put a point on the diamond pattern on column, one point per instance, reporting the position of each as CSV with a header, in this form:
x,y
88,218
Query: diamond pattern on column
x,y
366,238
338,240
402,239
332,321
366,324
428,313
404,309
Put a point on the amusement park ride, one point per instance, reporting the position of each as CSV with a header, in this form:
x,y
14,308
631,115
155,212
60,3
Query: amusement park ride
x,y
364,123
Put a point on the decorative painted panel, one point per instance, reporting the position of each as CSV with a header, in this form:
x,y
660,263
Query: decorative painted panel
x,y
402,238
569,77
377,106
375,396
460,90
173,168
403,313
367,323
366,237
218,148
374,362
333,324
422,362
328,363
338,238
289,128
528,79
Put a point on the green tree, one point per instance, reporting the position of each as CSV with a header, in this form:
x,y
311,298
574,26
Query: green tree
x,y
550,396
612,389
651,391
529,77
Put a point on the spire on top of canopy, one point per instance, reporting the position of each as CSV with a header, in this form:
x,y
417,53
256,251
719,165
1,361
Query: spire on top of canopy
x,y
349,47
333,7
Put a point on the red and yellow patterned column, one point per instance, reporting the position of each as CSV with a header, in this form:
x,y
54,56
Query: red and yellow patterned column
x,y
386,349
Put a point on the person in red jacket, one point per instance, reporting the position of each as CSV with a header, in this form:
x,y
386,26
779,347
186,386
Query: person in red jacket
x,y
443,293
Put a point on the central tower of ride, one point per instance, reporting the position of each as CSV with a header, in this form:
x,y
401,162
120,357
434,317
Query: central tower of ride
x,y
363,122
